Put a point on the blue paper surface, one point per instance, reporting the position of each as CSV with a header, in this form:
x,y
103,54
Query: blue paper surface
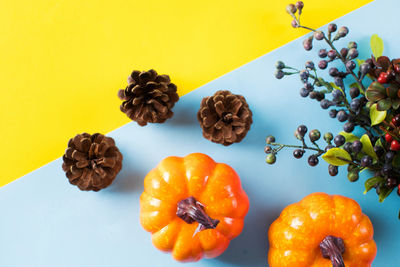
x,y
45,221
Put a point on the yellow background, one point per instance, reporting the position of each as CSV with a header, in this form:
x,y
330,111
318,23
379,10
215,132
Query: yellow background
x,y
63,61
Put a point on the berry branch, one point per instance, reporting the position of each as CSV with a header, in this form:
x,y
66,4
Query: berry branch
x,y
375,109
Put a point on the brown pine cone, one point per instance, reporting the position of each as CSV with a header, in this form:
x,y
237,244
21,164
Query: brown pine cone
x,y
149,97
91,162
224,117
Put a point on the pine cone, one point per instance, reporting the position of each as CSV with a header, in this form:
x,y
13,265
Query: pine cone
x,y
224,117
91,162
149,97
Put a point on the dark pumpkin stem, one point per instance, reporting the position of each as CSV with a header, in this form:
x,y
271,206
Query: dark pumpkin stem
x,y
332,248
190,210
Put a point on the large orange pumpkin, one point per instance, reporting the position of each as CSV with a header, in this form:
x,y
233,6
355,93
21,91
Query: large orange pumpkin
x,y
322,231
193,206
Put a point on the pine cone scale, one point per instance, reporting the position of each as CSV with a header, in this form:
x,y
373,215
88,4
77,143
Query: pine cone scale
x,y
91,162
149,97
224,117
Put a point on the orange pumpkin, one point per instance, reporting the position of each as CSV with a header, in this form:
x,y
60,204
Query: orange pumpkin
x,y
192,206
322,231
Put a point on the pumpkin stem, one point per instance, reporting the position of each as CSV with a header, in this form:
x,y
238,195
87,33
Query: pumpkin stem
x,y
190,210
332,248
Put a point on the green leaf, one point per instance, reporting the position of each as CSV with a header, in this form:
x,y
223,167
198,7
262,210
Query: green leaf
x,y
359,62
396,103
375,92
335,86
396,161
337,156
384,193
349,137
376,45
391,91
379,142
367,147
371,183
376,115
384,104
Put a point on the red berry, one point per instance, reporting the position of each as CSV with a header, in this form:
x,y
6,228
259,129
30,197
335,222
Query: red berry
x,y
396,120
388,138
398,189
395,145
383,78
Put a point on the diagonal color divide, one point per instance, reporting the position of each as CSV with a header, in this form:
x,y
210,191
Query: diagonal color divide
x,y
47,222
62,62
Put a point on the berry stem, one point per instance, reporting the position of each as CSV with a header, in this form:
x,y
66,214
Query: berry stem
x,y
337,52
304,146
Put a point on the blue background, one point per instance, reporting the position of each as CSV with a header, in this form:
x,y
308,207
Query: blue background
x,y
47,222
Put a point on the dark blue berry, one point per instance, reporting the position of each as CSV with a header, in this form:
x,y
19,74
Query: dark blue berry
x,y
304,92
348,147
348,127
279,74
267,149
325,103
339,140
322,53
391,182
310,65
366,161
318,35
344,51
332,113
320,96
302,130
389,156
355,104
313,94
387,168
323,64
298,153
308,86
379,150
304,74
365,68
270,139
356,146
342,116
307,44
314,135
332,54
338,81
363,100
350,65
354,92
279,65
332,27
353,53
313,160
337,94
343,31
333,170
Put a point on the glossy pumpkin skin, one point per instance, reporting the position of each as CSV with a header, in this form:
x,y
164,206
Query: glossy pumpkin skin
x,y
215,185
295,236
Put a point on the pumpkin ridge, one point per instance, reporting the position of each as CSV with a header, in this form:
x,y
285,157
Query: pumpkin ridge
x,y
206,184
187,180
175,234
